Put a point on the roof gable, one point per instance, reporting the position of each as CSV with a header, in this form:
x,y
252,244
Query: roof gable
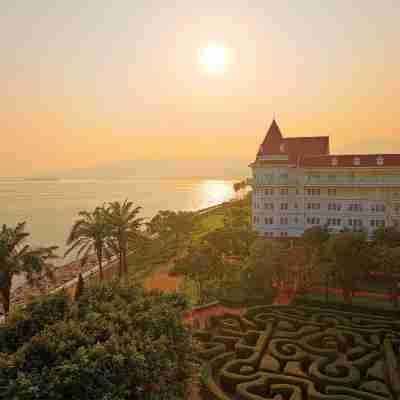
x,y
275,144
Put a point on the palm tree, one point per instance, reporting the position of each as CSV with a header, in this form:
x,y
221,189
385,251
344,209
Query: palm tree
x,y
125,229
17,257
89,235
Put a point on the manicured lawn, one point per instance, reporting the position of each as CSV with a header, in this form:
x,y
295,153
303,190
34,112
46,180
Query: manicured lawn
x,y
207,223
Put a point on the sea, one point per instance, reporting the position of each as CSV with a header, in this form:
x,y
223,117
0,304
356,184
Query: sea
x,y
50,207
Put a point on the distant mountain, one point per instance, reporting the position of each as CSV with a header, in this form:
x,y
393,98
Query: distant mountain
x,y
164,169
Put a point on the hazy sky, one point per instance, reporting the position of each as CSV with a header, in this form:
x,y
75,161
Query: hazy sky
x,y
86,82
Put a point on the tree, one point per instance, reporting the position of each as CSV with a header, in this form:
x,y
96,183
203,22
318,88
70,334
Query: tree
x,y
237,218
203,265
125,231
120,343
388,262
267,264
314,241
80,287
17,257
231,242
170,223
352,258
89,236
389,237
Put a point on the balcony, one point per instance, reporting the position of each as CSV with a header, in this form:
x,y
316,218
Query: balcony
x,y
350,180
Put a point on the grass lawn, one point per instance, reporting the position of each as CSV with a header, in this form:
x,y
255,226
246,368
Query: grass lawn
x,y
207,223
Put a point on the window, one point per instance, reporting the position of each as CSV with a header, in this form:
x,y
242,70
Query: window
x,y
284,221
313,192
284,234
296,220
284,206
356,161
269,221
269,192
256,219
296,205
313,206
334,206
269,206
333,222
355,207
313,220
284,192
355,223
334,161
269,234
380,160
377,223
379,208
331,192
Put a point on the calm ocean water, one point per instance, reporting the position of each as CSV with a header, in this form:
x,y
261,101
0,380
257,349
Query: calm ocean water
x,y
50,207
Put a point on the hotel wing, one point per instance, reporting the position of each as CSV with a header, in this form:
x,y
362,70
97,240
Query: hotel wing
x,y
298,184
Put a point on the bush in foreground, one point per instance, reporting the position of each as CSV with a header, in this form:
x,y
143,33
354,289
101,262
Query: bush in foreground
x,y
117,342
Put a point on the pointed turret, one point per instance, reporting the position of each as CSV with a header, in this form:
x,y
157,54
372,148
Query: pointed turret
x,y
273,140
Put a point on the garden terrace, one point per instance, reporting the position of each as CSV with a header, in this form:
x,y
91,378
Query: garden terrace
x,y
301,353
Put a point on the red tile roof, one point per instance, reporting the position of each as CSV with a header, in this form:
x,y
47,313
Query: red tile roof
x,y
352,160
272,141
275,144
314,152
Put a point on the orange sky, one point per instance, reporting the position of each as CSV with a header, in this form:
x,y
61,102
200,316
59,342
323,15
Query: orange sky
x,y
86,85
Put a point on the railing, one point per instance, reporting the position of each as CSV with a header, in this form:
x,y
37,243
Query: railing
x,y
327,181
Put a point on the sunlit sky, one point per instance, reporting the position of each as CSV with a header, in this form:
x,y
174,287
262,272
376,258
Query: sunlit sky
x,y
88,82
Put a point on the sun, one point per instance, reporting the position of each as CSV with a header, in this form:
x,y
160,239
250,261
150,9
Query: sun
x,y
214,58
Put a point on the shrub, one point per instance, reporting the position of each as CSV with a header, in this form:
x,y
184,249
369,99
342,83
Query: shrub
x,y
121,343
26,323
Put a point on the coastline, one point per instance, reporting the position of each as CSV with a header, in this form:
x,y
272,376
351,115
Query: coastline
x,y
67,273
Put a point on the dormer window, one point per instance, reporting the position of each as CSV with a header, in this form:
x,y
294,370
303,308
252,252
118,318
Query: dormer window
x,y
282,147
357,161
379,160
334,161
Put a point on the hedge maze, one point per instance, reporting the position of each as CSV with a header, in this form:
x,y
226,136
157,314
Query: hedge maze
x,y
300,353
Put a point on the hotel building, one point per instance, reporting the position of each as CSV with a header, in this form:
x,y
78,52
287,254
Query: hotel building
x,y
298,184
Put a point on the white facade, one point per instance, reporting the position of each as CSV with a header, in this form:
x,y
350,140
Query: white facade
x,y
288,199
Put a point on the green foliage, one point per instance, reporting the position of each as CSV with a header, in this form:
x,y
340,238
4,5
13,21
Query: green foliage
x,y
125,235
231,242
352,258
267,264
17,257
204,266
122,343
237,218
26,323
89,236
167,224
389,237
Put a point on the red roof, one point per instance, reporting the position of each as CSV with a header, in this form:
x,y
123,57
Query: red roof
x,y
352,160
275,144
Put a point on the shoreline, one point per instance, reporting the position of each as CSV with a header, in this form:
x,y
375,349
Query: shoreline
x,y
67,273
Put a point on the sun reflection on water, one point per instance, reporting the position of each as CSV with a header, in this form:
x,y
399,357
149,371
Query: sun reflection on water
x,y
215,192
